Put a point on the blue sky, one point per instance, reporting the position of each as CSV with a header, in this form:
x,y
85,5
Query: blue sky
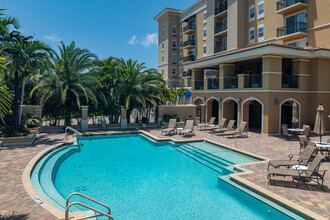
x,y
105,27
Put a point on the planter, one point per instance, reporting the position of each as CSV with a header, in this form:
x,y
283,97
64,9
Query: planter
x,y
35,129
19,141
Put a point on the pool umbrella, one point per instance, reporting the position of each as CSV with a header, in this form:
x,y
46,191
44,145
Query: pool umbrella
x,y
295,119
319,127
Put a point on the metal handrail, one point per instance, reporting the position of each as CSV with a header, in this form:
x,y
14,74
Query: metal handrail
x,y
72,129
87,207
88,198
203,142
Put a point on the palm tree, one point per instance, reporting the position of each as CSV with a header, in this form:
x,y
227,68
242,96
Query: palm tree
x,y
181,92
4,93
26,57
139,87
68,84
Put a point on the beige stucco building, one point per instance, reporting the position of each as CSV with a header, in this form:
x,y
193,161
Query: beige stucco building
x,y
248,60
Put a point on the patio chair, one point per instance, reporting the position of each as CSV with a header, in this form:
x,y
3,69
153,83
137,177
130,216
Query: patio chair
x,y
303,142
228,128
238,132
221,125
286,134
313,172
204,125
304,158
188,128
170,128
307,130
328,140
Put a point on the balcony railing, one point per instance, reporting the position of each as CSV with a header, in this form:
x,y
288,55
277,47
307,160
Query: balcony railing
x,y
188,58
291,29
220,28
220,48
187,74
231,82
213,83
290,81
221,9
189,83
199,84
253,81
189,27
287,3
189,43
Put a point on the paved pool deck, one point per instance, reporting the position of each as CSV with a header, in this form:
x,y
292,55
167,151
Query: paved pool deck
x,y
13,160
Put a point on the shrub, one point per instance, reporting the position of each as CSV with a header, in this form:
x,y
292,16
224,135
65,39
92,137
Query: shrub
x,y
166,118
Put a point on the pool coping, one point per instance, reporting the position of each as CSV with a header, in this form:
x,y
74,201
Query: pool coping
x,y
291,206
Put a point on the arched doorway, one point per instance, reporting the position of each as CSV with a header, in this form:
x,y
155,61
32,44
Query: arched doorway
x,y
286,113
199,102
213,109
230,110
252,110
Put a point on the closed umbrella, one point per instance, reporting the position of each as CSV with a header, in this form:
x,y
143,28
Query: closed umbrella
x,y
295,119
319,127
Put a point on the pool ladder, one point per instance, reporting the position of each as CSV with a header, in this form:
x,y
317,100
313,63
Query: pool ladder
x,y
79,134
98,213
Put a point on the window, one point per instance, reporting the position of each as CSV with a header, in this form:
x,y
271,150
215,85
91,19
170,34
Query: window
x,y
251,35
162,59
261,33
174,84
251,13
163,72
224,41
163,45
174,58
180,28
174,45
180,57
163,32
261,10
180,43
204,50
174,31
205,16
180,71
301,43
173,72
204,34
180,83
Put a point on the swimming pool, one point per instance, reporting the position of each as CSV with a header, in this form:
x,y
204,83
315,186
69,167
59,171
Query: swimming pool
x,y
142,179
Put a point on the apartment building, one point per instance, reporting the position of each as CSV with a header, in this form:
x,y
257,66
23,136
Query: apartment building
x,y
249,60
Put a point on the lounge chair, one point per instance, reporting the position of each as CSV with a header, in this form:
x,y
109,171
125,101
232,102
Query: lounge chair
x,y
304,158
313,172
204,125
228,128
238,132
171,128
188,128
221,125
303,142
286,134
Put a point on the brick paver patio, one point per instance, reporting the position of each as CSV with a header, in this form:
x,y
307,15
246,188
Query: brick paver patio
x,y
13,197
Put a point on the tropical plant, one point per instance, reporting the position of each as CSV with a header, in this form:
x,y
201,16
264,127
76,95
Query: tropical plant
x,y
5,97
31,121
181,92
68,84
26,57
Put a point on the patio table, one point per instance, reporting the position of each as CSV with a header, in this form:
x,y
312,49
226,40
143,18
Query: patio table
x,y
296,131
323,147
178,130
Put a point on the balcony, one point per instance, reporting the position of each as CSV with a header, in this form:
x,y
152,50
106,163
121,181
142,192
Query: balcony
x,y
286,7
213,83
220,30
189,44
231,82
292,31
220,48
189,58
221,10
199,84
290,81
187,74
253,81
189,28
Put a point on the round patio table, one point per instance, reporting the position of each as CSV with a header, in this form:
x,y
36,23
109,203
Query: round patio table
x,y
323,147
296,130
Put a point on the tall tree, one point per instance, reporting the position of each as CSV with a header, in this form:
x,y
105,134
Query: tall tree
x,y
5,97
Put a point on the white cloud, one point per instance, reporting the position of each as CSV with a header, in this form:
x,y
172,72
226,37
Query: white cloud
x,y
150,39
147,41
133,40
53,37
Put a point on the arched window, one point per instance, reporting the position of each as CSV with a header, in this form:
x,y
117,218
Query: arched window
x,y
252,14
261,9
261,32
252,37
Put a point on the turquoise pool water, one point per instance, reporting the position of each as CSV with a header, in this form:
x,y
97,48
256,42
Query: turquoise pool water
x,y
141,179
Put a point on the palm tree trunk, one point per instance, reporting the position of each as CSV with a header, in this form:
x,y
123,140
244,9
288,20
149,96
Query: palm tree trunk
x,y
22,99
